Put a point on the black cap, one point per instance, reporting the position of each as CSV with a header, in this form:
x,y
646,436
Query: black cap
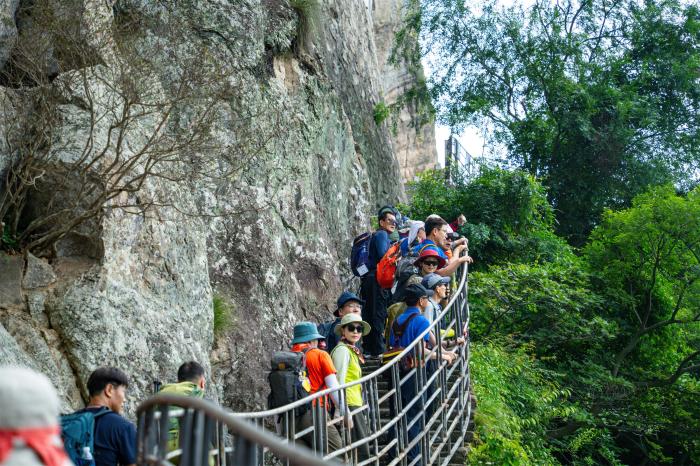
x,y
385,209
416,291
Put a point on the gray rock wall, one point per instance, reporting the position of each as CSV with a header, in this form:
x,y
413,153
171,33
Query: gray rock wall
x,y
271,242
414,146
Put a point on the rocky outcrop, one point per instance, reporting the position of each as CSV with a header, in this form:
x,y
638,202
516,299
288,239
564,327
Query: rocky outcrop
x,y
135,289
8,29
414,143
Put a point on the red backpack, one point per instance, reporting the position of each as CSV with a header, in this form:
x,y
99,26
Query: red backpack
x,y
386,267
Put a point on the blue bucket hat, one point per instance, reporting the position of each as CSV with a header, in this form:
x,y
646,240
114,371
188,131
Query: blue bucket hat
x,y
305,332
344,298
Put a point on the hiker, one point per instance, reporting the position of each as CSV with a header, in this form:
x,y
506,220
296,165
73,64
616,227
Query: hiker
x,y
322,374
347,303
114,436
436,230
438,284
458,222
416,235
427,262
29,428
413,323
190,382
374,310
348,360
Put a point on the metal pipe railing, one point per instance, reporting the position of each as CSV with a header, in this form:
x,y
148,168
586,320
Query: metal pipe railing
x,y
204,431
440,388
426,408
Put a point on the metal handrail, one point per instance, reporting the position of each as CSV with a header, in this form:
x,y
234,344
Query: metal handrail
x,y
434,438
385,368
421,418
155,414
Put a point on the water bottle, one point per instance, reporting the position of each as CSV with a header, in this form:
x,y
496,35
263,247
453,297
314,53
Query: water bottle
x,y
87,455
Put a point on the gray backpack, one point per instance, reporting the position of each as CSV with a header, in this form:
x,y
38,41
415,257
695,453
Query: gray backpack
x,y
287,379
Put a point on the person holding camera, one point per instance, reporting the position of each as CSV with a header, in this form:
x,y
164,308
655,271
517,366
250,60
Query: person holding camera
x,y
436,231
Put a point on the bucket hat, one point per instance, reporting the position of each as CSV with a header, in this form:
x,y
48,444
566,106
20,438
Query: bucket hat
x,y
349,319
27,399
344,298
429,252
431,280
305,332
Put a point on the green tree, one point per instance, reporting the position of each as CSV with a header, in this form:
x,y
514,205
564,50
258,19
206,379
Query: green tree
x,y
508,215
517,398
646,264
599,98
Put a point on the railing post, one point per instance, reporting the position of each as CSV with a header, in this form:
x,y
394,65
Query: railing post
x,y
420,394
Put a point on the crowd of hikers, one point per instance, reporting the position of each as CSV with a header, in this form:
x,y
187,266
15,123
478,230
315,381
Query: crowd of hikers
x,y
405,271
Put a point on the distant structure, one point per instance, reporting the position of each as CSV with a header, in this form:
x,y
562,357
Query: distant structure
x,y
415,148
459,164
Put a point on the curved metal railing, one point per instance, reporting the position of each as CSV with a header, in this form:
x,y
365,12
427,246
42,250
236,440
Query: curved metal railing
x,y
206,435
414,416
427,428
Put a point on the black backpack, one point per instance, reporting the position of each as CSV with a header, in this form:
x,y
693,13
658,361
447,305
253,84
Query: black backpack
x,y
288,380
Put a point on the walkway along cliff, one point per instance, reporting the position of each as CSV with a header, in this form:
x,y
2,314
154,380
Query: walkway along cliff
x,y
134,287
444,425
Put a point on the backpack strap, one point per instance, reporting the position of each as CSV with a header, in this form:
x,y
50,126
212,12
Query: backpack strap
x,y
399,329
303,357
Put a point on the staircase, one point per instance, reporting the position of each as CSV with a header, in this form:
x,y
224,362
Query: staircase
x,y
438,435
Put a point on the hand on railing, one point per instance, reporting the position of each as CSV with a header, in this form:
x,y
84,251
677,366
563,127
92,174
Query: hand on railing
x,y
348,421
449,356
461,259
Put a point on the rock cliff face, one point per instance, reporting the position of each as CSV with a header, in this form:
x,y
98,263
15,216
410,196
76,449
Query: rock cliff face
x,y
136,288
414,146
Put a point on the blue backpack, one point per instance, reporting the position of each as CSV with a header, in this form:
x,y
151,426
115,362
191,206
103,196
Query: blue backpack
x,y
359,255
78,433
325,328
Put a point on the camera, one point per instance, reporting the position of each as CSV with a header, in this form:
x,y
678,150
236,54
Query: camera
x,y
453,236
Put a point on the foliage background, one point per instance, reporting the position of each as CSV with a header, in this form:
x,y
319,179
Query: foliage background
x,y
580,356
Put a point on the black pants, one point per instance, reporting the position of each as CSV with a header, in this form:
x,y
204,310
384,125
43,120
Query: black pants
x,y
374,313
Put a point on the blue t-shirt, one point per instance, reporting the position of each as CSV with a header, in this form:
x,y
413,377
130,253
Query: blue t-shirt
x,y
428,244
378,246
115,440
415,327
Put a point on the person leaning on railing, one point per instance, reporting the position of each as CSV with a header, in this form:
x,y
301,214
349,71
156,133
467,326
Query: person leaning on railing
x,y
412,323
348,361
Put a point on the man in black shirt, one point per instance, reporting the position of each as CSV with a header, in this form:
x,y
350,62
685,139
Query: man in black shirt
x,y
115,437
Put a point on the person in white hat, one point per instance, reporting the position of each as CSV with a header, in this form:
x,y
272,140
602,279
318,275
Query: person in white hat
x,y
29,430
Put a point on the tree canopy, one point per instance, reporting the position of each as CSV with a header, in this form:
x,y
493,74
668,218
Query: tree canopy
x,y
579,359
598,98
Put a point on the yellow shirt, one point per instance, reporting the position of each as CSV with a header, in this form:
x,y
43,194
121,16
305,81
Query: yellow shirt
x,y
347,363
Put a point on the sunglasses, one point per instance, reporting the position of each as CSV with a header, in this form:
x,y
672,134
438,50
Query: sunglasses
x,y
355,328
431,263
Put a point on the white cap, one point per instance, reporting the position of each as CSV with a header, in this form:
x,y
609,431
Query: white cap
x,y
27,399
